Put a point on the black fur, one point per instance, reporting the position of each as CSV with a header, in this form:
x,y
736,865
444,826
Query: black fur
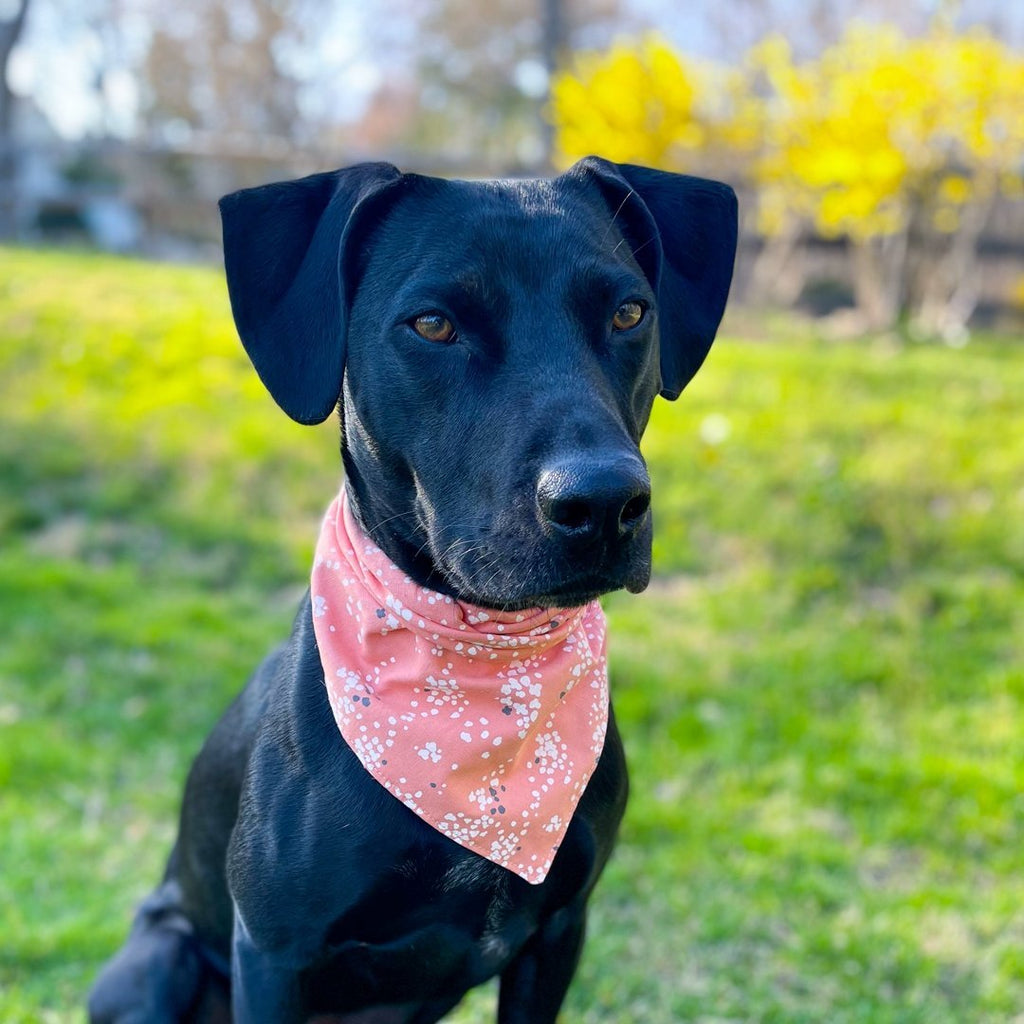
x,y
502,468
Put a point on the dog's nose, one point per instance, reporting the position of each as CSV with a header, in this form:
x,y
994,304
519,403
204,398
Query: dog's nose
x,y
594,500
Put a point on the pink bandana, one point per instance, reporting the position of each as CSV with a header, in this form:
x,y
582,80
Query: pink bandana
x,y
487,724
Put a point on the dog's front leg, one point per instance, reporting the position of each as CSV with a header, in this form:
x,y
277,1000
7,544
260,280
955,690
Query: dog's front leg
x,y
534,984
263,990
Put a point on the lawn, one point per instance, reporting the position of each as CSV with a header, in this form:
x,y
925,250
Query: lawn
x,y
821,693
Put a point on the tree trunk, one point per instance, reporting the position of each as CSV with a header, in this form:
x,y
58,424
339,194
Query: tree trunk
x,y
10,30
779,271
950,279
553,44
879,278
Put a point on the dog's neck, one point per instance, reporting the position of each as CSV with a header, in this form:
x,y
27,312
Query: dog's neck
x,y
390,523
487,724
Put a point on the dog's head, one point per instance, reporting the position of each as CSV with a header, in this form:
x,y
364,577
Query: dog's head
x,y
494,348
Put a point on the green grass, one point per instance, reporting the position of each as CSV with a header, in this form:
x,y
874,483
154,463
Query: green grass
x,y
821,693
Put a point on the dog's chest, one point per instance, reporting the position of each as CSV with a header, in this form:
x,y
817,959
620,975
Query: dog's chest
x,y
454,936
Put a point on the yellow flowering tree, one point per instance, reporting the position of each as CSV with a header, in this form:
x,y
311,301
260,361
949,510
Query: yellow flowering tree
x,y
898,145
901,146
638,103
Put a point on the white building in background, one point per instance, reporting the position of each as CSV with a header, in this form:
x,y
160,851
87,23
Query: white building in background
x,y
55,200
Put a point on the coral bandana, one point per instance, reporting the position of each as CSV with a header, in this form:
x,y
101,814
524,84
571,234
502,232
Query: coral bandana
x,y
487,724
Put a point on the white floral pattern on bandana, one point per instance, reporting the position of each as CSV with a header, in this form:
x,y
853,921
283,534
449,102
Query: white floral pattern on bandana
x,y
486,724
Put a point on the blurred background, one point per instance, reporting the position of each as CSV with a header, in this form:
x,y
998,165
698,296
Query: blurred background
x,y
822,691
878,145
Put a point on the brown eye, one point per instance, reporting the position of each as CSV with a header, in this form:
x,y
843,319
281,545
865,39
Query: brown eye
x,y
434,327
628,315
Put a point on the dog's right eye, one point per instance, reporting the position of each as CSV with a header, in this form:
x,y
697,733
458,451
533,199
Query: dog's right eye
x,y
434,327
628,315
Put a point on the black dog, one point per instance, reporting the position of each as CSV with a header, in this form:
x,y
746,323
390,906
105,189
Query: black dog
x,y
494,349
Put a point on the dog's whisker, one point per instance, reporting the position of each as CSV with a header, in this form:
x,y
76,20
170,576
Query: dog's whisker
x,y
629,195
643,245
390,519
450,549
485,586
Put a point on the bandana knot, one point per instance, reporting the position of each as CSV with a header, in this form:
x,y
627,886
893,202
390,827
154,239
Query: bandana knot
x,y
487,724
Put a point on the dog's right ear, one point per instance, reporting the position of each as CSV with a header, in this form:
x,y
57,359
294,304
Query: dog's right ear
x,y
682,231
284,247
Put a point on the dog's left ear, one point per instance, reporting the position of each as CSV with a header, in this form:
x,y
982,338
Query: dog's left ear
x,y
683,234
284,249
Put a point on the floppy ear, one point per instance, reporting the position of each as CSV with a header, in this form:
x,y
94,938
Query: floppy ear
x,y
683,233
284,248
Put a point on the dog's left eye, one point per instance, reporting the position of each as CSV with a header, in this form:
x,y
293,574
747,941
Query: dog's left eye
x,y
628,315
434,327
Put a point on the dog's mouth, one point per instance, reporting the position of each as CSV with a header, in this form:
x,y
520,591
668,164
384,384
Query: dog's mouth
x,y
582,592
560,538
574,595
516,579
